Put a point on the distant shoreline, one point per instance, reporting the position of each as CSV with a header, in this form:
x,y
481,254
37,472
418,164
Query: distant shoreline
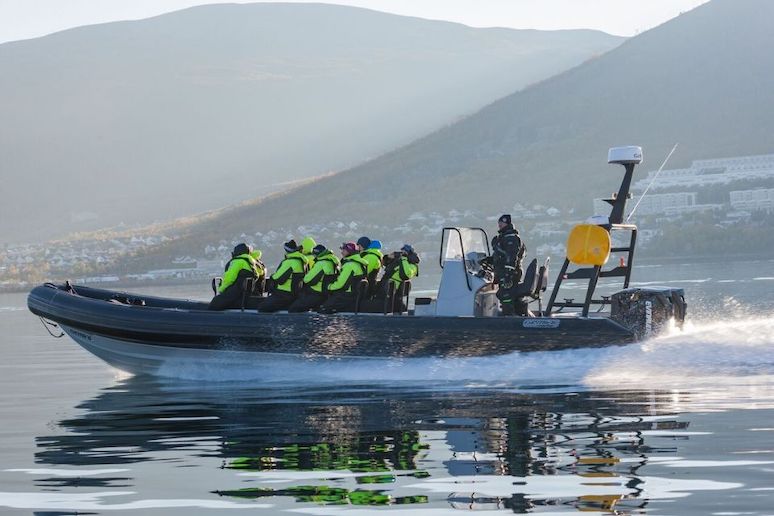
x,y
687,258
639,260
16,289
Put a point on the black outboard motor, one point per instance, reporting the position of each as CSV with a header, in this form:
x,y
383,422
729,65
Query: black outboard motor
x,y
647,311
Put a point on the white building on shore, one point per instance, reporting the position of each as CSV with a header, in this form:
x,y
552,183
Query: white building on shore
x,y
676,203
707,172
761,199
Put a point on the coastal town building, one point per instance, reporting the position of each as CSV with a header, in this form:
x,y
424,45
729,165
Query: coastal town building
x,y
761,199
676,203
702,174
707,172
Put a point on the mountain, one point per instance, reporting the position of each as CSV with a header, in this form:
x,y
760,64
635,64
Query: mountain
x,y
703,79
145,120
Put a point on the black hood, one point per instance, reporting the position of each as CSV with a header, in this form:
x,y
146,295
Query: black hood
x,y
509,229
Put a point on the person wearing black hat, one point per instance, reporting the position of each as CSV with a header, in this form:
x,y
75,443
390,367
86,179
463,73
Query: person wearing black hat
x,y
344,292
370,250
316,281
401,266
242,265
507,255
286,280
362,243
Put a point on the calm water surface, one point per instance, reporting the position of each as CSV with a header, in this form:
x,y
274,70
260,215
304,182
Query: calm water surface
x,y
680,425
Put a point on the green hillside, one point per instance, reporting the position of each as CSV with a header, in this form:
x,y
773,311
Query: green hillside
x,y
703,79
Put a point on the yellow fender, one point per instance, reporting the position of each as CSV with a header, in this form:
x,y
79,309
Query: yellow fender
x,y
588,244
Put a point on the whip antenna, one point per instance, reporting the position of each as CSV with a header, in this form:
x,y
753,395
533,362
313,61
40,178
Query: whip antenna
x,y
652,181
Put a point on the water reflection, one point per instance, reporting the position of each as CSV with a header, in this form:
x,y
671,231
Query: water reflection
x,y
364,446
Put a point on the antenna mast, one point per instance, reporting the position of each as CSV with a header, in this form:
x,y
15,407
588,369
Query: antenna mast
x,y
651,182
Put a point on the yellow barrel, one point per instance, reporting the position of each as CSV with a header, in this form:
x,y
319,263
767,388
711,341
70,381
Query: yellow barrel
x,y
588,245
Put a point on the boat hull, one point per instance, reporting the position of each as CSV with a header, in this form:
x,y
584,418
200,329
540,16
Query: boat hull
x,y
143,339
159,360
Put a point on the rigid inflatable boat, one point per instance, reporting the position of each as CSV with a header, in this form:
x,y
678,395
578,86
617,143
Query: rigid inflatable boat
x,y
142,334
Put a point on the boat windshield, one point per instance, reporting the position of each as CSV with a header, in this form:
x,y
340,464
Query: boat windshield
x,y
470,243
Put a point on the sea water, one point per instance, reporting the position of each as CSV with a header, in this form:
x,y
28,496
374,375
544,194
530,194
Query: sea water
x,y
682,424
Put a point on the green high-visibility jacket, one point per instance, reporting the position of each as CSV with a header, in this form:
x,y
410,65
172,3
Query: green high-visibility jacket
x,y
294,263
374,259
352,266
326,265
404,272
243,262
261,268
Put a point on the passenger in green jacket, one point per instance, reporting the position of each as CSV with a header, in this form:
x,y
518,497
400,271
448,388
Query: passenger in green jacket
x,y
407,266
373,255
343,291
400,268
316,281
286,279
231,290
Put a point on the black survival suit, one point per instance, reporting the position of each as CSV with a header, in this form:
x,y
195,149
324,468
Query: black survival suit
x,y
507,255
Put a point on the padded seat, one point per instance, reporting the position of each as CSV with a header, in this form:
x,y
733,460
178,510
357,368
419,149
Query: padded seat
x,y
535,282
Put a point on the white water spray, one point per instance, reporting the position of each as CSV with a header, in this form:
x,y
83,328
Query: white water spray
x,y
701,352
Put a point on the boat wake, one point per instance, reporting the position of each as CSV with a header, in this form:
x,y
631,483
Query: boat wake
x,y
703,353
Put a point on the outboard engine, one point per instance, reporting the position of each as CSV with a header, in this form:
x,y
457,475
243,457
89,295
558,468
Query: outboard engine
x,y
648,311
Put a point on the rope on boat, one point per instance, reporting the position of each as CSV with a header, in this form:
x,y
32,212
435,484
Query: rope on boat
x,y
48,325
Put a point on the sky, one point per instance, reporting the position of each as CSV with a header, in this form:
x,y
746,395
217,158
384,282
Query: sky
x,y
24,19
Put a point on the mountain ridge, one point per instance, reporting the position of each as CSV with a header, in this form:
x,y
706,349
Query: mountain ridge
x,y
158,118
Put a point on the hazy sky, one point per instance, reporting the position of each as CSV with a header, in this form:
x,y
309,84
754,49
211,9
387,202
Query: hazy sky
x,y
22,19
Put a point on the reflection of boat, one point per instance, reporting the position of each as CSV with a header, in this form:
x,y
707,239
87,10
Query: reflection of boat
x,y
333,446
141,334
